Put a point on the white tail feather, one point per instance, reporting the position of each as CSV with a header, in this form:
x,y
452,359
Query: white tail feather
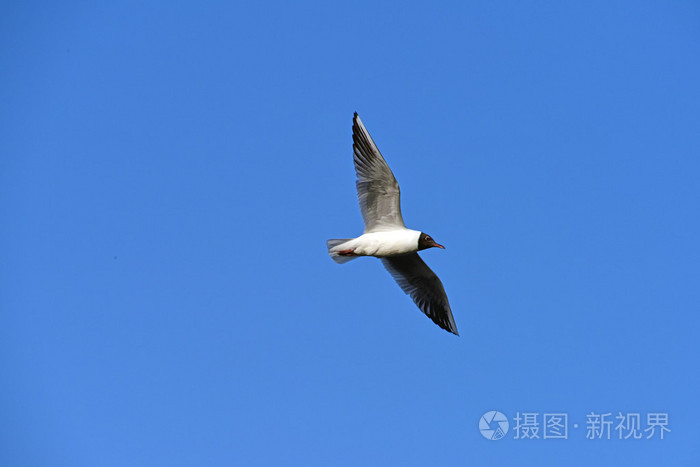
x,y
334,245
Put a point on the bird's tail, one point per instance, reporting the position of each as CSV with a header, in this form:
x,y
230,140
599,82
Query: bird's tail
x,y
334,246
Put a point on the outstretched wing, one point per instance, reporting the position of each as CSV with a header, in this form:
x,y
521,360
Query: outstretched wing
x,y
377,189
424,287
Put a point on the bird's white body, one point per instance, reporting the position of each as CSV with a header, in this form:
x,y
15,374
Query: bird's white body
x,y
381,244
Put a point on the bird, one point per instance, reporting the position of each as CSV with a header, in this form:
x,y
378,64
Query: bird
x,y
386,236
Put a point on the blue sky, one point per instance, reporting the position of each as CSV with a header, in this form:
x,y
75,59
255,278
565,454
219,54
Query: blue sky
x,y
169,173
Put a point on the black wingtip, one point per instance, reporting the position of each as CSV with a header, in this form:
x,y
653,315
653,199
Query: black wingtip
x,y
355,116
448,328
454,329
446,322
444,326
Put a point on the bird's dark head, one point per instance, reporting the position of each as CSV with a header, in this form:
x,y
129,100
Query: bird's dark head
x,y
426,241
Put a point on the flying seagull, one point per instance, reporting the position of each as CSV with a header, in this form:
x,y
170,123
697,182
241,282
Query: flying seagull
x,y
386,237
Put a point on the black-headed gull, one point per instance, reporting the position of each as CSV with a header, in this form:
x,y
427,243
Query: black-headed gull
x,y
386,237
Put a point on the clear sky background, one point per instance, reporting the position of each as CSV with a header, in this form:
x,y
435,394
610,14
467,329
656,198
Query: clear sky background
x,y
170,172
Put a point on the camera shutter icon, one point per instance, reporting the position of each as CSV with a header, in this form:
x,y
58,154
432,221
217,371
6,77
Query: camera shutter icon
x,y
493,425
